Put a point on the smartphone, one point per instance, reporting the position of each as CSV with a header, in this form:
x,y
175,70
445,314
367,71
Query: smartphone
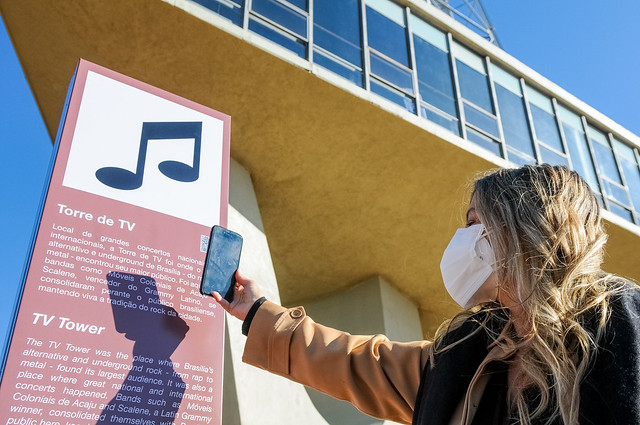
x,y
223,259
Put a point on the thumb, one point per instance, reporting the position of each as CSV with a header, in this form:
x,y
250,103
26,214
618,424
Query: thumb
x,y
223,303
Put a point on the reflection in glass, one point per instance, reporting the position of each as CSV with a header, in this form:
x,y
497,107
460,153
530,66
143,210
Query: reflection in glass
x,y
281,14
474,86
604,158
443,120
393,95
279,37
232,10
337,65
514,121
484,141
481,120
580,155
336,26
388,71
630,170
434,76
551,157
546,128
518,158
620,211
302,4
615,191
387,37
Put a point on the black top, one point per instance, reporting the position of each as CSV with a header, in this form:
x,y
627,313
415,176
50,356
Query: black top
x,y
609,393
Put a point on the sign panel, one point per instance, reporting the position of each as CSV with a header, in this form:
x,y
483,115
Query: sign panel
x,y
111,327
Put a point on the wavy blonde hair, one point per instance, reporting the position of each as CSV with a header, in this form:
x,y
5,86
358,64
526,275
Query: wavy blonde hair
x,y
544,225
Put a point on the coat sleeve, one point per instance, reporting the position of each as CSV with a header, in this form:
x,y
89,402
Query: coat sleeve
x,y
379,377
611,391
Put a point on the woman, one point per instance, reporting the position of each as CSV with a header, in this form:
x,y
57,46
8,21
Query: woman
x,y
546,338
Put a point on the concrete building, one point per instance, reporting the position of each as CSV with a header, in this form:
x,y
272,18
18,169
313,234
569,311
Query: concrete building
x,y
357,126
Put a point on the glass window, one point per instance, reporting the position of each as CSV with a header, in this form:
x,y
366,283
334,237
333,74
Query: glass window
x,y
552,157
615,191
388,9
302,4
387,36
474,86
481,120
520,159
278,36
605,160
540,100
546,128
620,211
232,10
465,55
389,53
434,75
282,14
428,33
544,121
607,167
514,121
337,29
578,146
443,120
337,65
393,95
477,101
484,141
399,76
506,80
630,169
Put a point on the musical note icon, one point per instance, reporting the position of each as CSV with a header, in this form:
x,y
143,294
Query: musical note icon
x,y
120,178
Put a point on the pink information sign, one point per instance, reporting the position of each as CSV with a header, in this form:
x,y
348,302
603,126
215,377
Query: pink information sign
x,y
111,327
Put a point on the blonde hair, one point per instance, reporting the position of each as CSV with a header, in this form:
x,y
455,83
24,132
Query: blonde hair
x,y
544,225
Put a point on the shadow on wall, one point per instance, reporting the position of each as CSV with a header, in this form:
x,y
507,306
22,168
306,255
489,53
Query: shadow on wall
x,y
152,391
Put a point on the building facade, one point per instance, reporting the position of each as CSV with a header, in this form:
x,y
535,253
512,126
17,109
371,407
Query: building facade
x,y
357,126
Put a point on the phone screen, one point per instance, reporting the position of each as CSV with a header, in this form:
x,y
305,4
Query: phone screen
x,y
223,259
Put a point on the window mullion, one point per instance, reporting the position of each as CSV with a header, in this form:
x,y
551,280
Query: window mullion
x,y
532,128
563,139
310,32
496,108
245,17
603,193
623,179
456,87
366,62
412,58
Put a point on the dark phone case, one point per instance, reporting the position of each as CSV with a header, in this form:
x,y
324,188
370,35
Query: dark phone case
x,y
222,261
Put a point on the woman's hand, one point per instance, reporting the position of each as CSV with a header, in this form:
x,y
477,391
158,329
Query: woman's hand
x,y
245,293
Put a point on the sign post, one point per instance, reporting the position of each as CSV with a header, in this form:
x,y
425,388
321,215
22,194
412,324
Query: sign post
x,y
111,326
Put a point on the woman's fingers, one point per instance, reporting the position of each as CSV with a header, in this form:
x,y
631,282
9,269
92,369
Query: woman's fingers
x,y
245,293
223,303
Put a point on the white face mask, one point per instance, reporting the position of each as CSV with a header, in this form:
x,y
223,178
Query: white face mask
x,y
466,264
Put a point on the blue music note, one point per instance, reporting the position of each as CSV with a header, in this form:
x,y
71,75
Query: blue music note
x,y
120,178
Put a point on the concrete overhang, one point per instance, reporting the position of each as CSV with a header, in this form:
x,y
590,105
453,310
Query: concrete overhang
x,y
347,189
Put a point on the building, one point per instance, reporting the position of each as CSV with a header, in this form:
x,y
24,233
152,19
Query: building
x,y
356,125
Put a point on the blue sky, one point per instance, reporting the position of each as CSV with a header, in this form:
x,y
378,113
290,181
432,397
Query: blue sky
x,y
25,149
588,48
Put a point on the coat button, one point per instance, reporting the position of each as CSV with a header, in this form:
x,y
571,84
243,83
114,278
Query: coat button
x,y
296,314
